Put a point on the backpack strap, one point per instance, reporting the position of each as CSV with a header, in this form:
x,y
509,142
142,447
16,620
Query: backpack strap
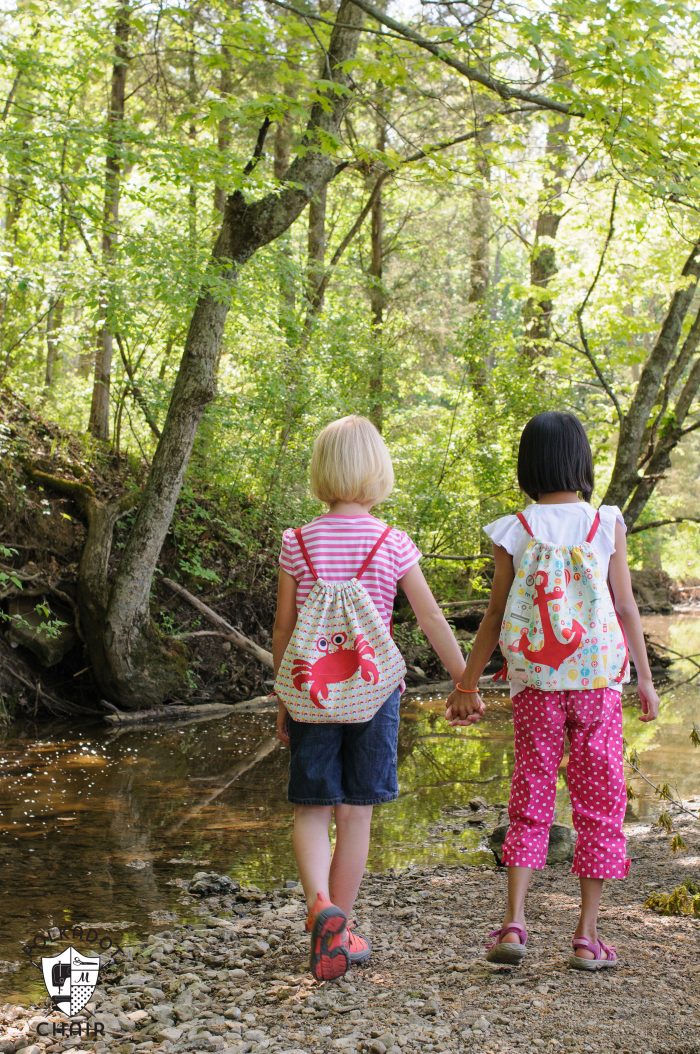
x,y
373,551
304,551
525,524
594,527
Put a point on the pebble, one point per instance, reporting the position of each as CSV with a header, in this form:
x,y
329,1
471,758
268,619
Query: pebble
x,y
220,991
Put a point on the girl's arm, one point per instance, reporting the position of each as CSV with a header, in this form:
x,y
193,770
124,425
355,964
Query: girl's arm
x,y
462,708
432,621
285,621
626,607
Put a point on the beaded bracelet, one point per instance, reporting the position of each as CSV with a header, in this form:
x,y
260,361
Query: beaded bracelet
x,y
467,691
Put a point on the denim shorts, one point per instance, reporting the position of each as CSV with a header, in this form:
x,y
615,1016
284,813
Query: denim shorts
x,y
333,764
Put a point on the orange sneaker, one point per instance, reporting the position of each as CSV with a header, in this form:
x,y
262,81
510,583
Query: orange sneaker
x,y
359,948
330,958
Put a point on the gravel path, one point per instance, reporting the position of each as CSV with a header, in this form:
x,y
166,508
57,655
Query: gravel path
x,y
236,981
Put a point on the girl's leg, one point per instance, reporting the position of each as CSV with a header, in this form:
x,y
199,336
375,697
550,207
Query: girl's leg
x,y
352,825
518,885
312,849
598,799
591,892
538,721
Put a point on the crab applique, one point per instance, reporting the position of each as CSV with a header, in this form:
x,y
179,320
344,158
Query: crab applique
x,y
334,666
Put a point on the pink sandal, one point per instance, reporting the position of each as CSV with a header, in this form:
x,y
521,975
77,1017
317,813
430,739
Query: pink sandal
x,y
507,952
605,955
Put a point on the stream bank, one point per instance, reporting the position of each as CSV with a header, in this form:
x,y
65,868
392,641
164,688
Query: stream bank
x,y
234,980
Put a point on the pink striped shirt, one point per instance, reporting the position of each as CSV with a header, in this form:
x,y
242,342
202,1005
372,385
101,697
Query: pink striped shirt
x,y
338,545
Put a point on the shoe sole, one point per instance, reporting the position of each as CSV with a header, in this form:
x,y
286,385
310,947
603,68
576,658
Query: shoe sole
x,y
508,954
591,965
326,963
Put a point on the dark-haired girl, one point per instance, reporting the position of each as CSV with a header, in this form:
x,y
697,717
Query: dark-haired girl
x,y
555,469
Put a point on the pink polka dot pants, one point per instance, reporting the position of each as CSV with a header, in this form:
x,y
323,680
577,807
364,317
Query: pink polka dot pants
x,y
593,722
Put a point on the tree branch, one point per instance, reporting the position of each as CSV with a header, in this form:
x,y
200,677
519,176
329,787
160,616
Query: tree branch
x,y
230,632
498,87
582,307
662,523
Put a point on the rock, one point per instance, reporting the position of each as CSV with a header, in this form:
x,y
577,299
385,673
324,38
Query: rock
x,y
415,675
257,948
171,1034
482,1023
209,884
478,803
137,1016
25,628
654,591
562,840
136,980
163,1013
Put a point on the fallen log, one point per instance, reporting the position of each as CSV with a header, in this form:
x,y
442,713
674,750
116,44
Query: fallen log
x,y
230,632
198,711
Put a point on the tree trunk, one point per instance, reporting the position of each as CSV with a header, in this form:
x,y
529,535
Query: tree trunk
x,y
287,292
316,244
99,410
138,670
54,320
480,230
670,432
378,301
537,315
377,289
17,185
625,479
192,97
224,130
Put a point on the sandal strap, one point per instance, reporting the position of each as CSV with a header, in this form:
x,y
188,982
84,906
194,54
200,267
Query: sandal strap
x,y
495,936
596,948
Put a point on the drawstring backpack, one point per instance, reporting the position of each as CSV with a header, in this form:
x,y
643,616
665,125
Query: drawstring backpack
x,y
560,630
341,663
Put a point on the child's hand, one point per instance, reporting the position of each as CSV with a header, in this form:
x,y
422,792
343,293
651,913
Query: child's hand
x,y
282,730
648,698
463,708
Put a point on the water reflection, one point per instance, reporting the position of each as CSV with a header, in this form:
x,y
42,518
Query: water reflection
x,y
95,827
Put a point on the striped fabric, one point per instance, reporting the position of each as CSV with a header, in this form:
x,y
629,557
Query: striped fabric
x,y
337,546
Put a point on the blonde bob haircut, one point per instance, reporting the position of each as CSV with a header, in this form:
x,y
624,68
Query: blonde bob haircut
x,y
350,462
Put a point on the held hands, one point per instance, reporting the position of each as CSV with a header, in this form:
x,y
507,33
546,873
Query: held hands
x,y
648,698
463,708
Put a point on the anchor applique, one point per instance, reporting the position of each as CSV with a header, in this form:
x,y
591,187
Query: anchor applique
x,y
553,651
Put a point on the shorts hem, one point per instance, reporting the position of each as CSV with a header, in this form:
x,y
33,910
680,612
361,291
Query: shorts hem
x,y
342,801
370,801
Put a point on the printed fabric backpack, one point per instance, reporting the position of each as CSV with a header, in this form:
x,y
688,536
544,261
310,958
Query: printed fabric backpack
x,y
560,630
341,663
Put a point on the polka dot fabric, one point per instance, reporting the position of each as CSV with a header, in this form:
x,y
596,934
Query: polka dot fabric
x,y
593,722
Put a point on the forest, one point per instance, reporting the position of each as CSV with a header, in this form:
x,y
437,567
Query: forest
x,y
226,222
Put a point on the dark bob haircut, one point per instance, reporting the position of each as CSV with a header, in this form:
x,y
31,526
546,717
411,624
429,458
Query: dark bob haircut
x,y
555,455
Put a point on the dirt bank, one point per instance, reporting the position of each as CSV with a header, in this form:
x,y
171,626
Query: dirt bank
x,y
236,980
